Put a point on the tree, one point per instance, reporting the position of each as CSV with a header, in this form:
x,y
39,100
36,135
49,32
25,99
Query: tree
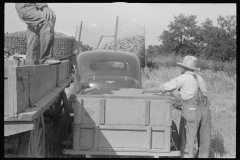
x,y
219,42
181,36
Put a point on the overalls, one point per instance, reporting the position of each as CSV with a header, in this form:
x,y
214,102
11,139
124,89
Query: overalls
x,y
195,121
40,33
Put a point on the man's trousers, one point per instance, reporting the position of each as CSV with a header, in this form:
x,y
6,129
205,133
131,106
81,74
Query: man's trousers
x,y
40,33
195,122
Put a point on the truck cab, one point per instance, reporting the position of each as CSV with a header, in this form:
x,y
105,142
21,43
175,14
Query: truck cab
x,y
107,69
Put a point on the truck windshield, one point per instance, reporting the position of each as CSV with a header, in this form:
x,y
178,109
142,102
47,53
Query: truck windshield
x,y
108,65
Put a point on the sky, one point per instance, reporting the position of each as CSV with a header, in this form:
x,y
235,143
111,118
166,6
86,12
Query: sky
x,y
154,16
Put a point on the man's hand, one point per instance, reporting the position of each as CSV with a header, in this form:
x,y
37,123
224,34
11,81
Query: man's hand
x,y
49,14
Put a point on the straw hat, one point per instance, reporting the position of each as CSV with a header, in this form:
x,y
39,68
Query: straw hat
x,y
189,62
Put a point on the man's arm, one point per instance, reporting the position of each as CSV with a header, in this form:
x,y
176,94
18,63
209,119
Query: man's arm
x,y
152,90
170,86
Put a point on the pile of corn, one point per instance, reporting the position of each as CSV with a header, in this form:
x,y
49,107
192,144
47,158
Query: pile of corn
x,y
16,43
63,45
134,44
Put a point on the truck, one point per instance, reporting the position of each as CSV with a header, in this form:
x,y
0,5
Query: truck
x,y
111,116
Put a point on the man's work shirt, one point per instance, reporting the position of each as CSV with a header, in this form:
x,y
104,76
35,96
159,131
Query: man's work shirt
x,y
187,84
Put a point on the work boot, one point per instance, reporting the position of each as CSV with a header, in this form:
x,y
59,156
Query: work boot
x,y
51,61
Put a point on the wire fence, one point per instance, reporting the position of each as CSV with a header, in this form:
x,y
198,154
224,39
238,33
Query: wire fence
x,y
126,35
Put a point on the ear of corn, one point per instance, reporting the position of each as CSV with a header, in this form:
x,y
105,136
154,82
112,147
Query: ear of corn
x,y
17,43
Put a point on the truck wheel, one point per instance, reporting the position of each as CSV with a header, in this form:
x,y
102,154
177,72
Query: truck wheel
x,y
174,137
63,133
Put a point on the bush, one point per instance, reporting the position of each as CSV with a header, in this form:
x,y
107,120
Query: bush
x,y
217,146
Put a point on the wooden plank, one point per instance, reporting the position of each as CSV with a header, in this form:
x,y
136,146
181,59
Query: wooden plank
x,y
168,105
157,150
78,111
43,80
110,149
147,113
102,111
90,111
158,139
121,139
87,149
125,112
22,90
167,138
149,138
96,129
6,94
87,138
15,128
157,113
40,106
63,70
172,154
76,137
12,99
142,96
123,127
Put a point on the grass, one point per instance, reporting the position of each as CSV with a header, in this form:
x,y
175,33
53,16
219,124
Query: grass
x,y
171,61
222,93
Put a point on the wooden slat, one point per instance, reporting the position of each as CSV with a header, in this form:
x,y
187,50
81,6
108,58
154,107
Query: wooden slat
x,y
147,113
76,137
15,128
43,80
78,111
63,70
167,138
168,113
102,111
125,112
96,129
149,138
12,91
122,127
22,90
40,106
123,149
90,111
157,113
152,97
6,93
172,154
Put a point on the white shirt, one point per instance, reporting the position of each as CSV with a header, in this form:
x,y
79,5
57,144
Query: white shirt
x,y
187,84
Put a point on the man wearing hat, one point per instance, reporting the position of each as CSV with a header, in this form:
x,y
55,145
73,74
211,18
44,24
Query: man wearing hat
x,y
195,111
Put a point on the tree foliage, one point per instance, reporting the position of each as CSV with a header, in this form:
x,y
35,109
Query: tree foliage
x,y
184,37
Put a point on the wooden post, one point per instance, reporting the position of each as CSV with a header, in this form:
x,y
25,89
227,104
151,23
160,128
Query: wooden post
x,y
79,38
145,47
115,37
99,41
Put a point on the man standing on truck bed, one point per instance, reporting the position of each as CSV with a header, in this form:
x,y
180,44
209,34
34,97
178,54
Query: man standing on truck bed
x,y
196,115
40,20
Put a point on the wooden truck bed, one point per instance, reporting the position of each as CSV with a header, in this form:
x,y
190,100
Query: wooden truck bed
x,y
122,122
25,86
